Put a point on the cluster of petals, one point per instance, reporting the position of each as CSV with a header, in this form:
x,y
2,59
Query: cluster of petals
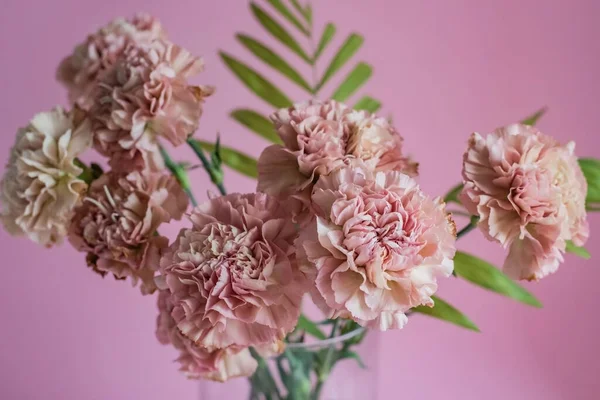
x,y
40,186
376,247
79,71
319,138
197,362
529,194
117,223
232,277
143,97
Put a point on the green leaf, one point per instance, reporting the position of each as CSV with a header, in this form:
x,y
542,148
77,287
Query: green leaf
x,y
256,82
591,170
577,250
452,195
326,37
346,51
353,355
447,312
484,274
273,60
310,327
234,159
533,119
305,11
287,14
368,103
278,31
256,123
355,79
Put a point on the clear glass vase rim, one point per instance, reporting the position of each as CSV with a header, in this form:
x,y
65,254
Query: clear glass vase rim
x,y
326,342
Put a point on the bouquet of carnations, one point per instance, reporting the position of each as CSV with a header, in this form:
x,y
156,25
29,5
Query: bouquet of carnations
x,y
338,216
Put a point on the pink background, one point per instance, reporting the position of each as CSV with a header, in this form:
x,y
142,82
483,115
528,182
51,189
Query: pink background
x,y
442,70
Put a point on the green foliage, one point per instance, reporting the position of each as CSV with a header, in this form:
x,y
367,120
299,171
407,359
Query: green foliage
x,y
297,38
591,171
256,82
533,118
310,327
577,250
256,123
234,159
452,195
368,103
484,274
446,312
355,79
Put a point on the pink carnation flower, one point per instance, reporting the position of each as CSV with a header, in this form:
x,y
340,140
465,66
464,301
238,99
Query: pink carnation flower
x,y
144,96
40,187
118,221
233,275
197,362
377,246
529,194
319,138
80,71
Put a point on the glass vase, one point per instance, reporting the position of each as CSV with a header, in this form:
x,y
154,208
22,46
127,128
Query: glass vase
x,y
343,367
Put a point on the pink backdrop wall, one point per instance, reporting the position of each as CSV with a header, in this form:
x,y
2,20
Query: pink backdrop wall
x,y
442,69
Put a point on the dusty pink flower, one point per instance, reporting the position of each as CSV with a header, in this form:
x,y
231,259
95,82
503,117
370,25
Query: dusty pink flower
x,y
319,138
233,275
40,186
118,221
80,71
377,246
197,362
146,95
529,194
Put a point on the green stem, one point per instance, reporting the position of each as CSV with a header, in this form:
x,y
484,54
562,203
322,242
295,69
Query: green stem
x,y
325,369
472,225
179,173
216,179
263,379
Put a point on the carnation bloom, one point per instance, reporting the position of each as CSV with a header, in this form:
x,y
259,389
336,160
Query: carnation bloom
x,y
377,246
40,185
233,276
80,71
319,138
146,95
197,362
529,194
117,223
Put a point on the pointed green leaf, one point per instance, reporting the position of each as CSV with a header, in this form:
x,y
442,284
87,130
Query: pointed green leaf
x,y
345,52
256,123
355,79
287,14
256,82
533,119
445,311
310,327
452,196
326,37
591,170
234,159
577,250
368,103
305,11
278,31
273,60
484,274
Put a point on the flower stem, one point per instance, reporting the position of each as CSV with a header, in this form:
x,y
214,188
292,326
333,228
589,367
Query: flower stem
x,y
215,177
178,172
468,228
